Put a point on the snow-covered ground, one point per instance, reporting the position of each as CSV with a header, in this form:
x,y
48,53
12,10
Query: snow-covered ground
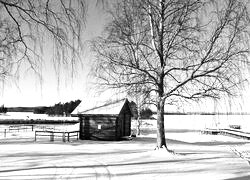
x,y
30,115
198,122
19,132
198,156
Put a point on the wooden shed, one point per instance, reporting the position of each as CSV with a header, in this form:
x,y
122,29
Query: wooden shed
x,y
110,121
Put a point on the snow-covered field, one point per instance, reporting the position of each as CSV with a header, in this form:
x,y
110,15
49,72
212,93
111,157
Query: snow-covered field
x,y
30,115
198,122
210,158
198,156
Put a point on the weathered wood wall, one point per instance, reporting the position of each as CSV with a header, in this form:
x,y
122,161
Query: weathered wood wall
x,y
98,127
106,127
124,121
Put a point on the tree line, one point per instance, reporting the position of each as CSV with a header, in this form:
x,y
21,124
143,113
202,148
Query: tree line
x,y
65,109
59,109
3,109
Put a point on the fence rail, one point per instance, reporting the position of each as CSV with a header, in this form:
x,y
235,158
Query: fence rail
x,y
52,134
16,129
21,127
228,132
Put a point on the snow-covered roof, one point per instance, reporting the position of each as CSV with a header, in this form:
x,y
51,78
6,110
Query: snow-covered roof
x,y
105,108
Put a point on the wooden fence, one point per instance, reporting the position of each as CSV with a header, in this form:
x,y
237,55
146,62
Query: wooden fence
x,y
228,132
16,128
65,136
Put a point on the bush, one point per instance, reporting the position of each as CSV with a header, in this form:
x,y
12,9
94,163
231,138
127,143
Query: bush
x,y
146,113
3,109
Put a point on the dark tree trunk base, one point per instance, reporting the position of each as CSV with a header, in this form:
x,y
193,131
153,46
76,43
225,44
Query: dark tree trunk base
x,y
165,148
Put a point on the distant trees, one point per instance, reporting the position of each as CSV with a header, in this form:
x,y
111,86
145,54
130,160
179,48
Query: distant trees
x,y
3,109
59,109
146,113
63,108
40,110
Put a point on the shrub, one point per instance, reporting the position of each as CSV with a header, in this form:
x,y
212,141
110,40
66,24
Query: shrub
x,y
146,113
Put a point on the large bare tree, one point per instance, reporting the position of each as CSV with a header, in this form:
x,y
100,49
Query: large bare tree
x,y
174,50
30,27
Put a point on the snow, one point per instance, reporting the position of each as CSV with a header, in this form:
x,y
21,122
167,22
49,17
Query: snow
x,y
198,156
30,115
198,122
99,107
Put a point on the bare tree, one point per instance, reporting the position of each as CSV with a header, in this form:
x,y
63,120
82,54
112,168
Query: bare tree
x,y
140,101
139,104
27,26
174,50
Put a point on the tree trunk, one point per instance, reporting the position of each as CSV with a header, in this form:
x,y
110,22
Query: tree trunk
x,y
138,126
161,141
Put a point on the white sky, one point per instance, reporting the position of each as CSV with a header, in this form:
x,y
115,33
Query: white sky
x,y
28,91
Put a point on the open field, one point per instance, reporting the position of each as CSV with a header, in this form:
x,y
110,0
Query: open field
x,y
200,157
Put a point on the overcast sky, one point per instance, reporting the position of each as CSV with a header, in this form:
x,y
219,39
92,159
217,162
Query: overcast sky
x,y
29,91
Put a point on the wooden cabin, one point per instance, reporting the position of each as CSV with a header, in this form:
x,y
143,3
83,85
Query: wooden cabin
x,y
110,121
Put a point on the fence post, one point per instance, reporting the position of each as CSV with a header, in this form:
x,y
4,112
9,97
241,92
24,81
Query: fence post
x,y
35,135
63,137
68,136
32,127
51,136
5,133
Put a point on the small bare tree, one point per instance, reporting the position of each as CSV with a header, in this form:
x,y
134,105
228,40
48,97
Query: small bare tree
x,y
27,26
174,50
141,100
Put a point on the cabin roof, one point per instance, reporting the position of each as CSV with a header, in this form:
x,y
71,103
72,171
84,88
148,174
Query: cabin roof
x,y
109,108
